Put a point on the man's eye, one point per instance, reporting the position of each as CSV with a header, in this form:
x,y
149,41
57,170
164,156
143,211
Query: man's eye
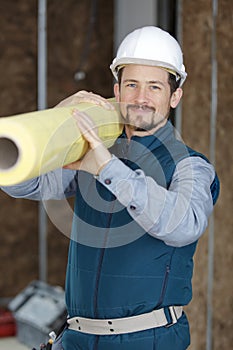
x,y
155,87
131,85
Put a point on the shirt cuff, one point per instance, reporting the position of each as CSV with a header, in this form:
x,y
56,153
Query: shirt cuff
x,y
117,178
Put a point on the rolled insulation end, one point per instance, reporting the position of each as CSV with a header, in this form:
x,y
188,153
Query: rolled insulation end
x,y
9,153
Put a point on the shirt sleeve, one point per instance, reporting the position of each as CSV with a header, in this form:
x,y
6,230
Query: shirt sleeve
x,y
58,184
178,215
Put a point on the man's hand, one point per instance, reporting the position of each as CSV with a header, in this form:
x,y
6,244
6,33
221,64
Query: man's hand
x,y
98,156
84,96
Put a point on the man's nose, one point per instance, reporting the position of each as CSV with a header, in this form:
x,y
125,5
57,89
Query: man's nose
x,y
141,96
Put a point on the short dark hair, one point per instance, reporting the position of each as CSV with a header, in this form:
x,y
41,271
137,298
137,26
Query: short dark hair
x,y
172,81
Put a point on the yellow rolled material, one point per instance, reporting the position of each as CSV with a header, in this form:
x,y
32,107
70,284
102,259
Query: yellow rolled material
x,y
35,143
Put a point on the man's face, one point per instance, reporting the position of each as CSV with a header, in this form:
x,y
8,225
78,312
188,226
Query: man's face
x,y
145,98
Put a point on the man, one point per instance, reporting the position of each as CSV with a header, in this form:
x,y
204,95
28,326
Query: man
x,y
140,209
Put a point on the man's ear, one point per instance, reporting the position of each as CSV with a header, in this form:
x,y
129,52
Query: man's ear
x,y
117,92
176,97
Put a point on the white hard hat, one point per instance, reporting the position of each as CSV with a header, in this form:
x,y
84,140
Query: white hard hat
x,y
150,46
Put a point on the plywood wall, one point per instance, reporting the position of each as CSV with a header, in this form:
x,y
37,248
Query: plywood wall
x,y
198,24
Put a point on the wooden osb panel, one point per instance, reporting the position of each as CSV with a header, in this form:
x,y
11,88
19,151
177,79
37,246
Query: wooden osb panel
x,y
198,23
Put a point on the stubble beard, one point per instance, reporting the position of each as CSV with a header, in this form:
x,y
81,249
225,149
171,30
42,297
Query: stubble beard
x,y
147,120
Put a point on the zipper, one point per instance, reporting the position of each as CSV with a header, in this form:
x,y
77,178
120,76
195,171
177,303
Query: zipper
x,y
97,280
125,160
164,287
101,263
95,347
165,281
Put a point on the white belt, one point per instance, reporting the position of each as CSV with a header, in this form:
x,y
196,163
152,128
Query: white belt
x,y
154,319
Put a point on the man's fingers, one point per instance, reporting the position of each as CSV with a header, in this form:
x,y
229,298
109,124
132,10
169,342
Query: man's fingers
x,y
73,166
87,127
88,97
85,96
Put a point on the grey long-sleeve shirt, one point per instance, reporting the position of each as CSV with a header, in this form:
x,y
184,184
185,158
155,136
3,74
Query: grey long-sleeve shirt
x,y
178,215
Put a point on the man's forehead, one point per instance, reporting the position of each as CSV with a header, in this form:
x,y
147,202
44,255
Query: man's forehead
x,y
144,73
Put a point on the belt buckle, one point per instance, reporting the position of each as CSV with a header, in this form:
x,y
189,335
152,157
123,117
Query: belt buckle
x,y
173,316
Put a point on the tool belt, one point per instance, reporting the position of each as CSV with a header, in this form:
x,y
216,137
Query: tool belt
x,y
113,326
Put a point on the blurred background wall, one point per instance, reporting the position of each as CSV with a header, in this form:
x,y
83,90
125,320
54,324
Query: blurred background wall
x,y
81,39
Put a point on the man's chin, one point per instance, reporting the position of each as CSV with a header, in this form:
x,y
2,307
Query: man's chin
x,y
137,128
142,129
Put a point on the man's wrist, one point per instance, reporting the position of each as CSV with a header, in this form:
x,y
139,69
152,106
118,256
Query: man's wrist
x,y
103,166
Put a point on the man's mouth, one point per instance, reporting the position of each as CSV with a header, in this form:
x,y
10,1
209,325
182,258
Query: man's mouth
x,y
141,108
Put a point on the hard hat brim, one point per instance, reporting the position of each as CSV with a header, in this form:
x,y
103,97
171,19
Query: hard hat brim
x,y
145,62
